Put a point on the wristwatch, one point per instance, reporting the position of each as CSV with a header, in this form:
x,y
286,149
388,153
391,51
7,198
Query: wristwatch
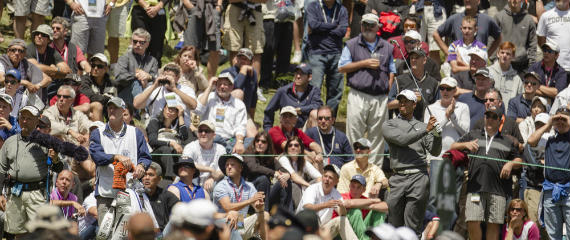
x,y
112,4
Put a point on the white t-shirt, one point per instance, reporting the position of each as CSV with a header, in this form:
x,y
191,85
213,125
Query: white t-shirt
x,y
157,97
93,8
314,195
204,157
554,25
88,202
308,169
453,128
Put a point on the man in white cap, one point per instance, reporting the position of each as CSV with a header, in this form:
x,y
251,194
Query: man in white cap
x,y
26,165
460,49
553,26
369,77
553,78
410,142
228,114
194,219
411,41
116,142
8,124
44,56
206,153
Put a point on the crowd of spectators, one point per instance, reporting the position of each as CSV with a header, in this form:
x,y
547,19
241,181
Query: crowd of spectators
x,y
457,119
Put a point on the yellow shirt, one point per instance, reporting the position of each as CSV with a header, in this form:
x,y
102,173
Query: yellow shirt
x,y
119,2
373,174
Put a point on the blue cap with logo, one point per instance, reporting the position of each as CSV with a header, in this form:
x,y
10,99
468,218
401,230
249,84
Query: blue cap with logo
x,y
14,73
305,68
359,178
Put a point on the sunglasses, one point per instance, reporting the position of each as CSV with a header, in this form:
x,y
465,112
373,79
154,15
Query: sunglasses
x,y
494,117
548,50
324,118
63,96
100,66
360,148
516,209
42,34
16,50
261,141
135,42
446,88
12,82
531,83
294,145
205,131
411,41
490,99
410,26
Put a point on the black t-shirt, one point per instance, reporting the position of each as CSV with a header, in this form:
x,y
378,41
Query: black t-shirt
x,y
161,203
510,127
49,57
484,175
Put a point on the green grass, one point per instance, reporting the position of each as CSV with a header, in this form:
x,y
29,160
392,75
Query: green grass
x,y
168,54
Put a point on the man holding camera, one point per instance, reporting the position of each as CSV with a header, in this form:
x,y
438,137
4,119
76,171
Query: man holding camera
x,y
155,96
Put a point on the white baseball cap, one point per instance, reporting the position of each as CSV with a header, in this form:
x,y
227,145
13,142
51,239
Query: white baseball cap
x,y
449,81
479,53
198,212
408,94
288,109
413,34
542,117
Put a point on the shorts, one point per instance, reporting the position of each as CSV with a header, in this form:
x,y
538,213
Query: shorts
x,y
116,22
490,208
195,33
25,7
88,33
238,32
432,24
22,209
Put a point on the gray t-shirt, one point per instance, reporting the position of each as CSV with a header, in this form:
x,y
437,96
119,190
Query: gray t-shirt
x,y
486,27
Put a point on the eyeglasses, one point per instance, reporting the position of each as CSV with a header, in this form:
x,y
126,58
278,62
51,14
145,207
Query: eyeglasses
x,y
442,88
294,145
204,131
516,209
490,99
548,50
531,83
56,28
324,118
261,141
492,116
135,42
12,82
100,66
15,50
360,148
411,41
63,96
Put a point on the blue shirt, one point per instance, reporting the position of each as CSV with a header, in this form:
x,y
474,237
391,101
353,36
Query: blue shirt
x,y
346,57
341,145
557,154
186,195
226,188
286,96
476,107
519,107
5,133
327,30
246,83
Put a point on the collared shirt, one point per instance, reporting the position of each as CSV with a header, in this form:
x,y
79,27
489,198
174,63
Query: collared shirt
x,y
332,143
230,117
60,125
373,174
519,107
278,137
288,96
6,133
557,154
476,107
226,188
69,210
314,194
347,196
459,48
346,57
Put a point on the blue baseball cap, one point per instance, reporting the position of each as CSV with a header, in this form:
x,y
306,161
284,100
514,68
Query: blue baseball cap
x,y
359,178
305,68
14,73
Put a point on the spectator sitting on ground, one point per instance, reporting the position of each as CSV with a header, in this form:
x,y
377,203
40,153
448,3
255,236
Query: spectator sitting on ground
x,y
12,80
190,70
228,113
233,195
334,143
98,86
460,50
44,56
63,198
206,153
294,162
80,102
373,175
518,222
166,88
185,190
280,135
506,79
167,135
33,78
135,69
301,95
520,106
362,212
8,124
245,79
69,52
161,201
553,78
88,224
323,198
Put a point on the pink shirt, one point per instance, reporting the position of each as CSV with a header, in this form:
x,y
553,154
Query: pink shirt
x,y
530,232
